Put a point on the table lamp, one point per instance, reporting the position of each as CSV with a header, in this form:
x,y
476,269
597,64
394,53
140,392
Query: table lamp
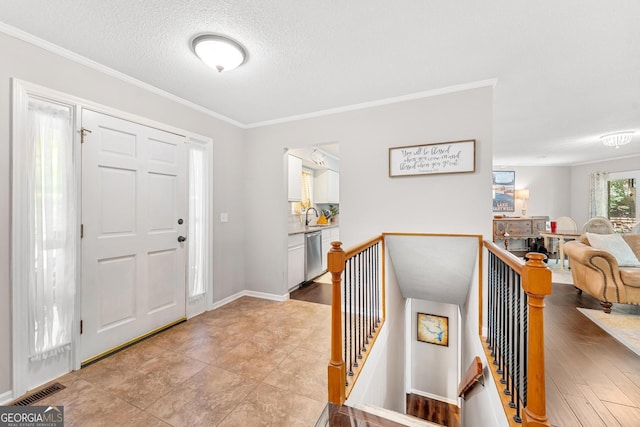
x,y
523,195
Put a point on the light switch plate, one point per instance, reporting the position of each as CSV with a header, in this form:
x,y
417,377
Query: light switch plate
x,y
224,217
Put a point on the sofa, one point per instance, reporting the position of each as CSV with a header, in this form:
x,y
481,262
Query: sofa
x,y
606,274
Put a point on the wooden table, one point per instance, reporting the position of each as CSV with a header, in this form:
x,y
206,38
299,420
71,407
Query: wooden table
x,y
561,236
518,230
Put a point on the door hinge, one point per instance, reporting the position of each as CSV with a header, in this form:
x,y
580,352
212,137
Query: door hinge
x,y
81,327
83,132
81,231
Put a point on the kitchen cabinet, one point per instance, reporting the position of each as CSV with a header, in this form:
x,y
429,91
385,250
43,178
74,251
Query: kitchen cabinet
x,y
295,260
328,235
326,186
294,187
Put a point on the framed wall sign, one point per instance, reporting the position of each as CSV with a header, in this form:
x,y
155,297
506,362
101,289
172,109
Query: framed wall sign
x,y
433,329
504,184
443,157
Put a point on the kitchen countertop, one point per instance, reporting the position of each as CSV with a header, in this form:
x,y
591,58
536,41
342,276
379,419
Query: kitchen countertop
x,y
308,229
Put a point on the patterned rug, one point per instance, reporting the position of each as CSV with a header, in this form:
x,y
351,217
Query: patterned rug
x,y
623,327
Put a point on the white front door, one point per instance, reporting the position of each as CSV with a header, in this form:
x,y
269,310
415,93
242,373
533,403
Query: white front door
x,y
134,212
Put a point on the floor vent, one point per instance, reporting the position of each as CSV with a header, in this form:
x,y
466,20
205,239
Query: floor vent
x,y
39,395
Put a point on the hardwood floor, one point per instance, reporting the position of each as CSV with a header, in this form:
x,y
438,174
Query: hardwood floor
x,y
317,292
592,379
438,412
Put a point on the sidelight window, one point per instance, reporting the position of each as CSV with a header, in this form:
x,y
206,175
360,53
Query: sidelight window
x,y
48,196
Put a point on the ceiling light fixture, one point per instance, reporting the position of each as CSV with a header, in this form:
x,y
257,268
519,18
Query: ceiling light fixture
x,y
317,157
616,139
219,52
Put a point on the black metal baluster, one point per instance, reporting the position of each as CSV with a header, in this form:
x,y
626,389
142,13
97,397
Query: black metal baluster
x,y
361,326
518,383
371,293
352,357
504,348
491,304
498,349
370,282
365,274
346,309
378,289
507,377
525,325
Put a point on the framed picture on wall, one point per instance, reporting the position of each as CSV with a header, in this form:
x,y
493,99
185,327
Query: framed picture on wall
x,y
504,185
433,329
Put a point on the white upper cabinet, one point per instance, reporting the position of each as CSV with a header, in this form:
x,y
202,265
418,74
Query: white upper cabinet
x,y
327,187
295,179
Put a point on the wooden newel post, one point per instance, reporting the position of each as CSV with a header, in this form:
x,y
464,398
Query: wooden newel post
x,y
536,282
337,372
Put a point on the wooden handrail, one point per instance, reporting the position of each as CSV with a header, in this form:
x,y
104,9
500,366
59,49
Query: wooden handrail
x,y
471,377
536,283
361,247
338,389
507,257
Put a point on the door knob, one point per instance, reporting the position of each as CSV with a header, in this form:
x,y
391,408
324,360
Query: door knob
x,y
181,239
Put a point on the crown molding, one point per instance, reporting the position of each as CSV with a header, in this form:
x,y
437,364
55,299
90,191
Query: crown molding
x,y
65,53
386,101
72,56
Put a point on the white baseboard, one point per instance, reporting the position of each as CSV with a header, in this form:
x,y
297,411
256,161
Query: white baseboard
x,y
434,396
227,300
6,397
262,295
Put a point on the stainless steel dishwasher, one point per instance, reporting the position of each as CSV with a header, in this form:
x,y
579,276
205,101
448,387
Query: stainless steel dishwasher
x,y
312,255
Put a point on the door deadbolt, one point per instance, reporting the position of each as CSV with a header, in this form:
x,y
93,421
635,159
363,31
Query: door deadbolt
x,y
181,239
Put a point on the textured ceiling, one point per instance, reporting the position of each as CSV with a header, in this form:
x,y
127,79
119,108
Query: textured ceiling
x,y
434,268
566,71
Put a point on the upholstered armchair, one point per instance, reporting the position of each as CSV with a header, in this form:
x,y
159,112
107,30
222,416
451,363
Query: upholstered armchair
x,y
606,274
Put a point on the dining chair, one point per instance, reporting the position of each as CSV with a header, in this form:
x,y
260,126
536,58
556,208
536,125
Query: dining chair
x,y
598,225
566,224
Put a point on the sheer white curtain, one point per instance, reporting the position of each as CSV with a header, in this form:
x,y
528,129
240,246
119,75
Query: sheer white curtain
x,y
198,220
598,200
51,194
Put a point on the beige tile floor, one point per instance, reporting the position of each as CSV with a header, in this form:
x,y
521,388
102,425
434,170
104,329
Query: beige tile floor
x,y
252,362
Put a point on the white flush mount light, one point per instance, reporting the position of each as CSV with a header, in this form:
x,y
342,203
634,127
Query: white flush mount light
x,y
616,139
219,52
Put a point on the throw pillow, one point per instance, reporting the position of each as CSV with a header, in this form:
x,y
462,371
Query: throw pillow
x,y
616,246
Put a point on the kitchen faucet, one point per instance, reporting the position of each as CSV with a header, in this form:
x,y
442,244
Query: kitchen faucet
x,y
306,216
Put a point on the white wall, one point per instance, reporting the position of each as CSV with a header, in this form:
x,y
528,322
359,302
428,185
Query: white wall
x,y
434,368
482,406
548,189
26,62
381,382
580,183
370,201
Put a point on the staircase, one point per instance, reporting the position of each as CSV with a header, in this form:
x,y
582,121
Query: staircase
x,y
367,416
